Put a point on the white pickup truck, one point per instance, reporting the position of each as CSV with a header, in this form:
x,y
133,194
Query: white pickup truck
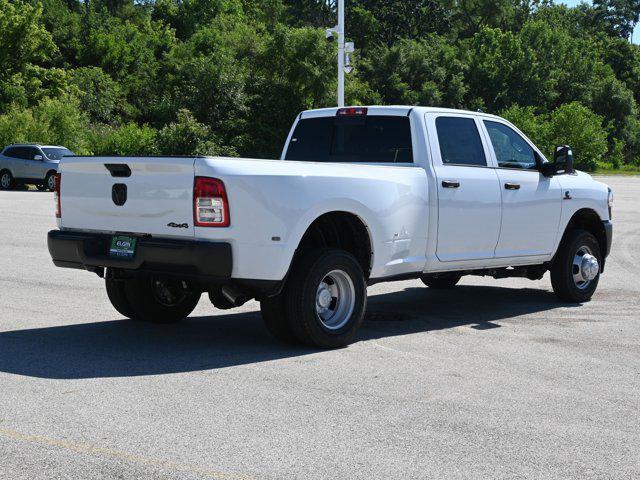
x,y
360,195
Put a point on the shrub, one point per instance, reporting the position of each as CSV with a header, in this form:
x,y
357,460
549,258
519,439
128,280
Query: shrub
x,y
570,124
128,139
532,125
57,121
187,136
575,125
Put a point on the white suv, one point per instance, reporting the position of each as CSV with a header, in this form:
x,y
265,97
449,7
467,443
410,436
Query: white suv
x,y
28,163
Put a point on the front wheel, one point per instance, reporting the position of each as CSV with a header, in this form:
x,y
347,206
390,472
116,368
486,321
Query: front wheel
x,y
326,298
576,270
159,300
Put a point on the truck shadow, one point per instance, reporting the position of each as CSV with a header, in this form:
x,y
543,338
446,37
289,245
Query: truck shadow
x,y
124,348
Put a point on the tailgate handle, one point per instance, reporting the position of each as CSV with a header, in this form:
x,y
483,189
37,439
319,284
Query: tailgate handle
x,y
120,170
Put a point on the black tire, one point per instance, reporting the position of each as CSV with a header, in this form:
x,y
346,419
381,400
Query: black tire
x,y
442,281
6,180
160,301
563,269
118,297
309,270
219,300
47,179
276,320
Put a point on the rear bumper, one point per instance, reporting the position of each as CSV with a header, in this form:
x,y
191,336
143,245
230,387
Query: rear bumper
x,y
203,261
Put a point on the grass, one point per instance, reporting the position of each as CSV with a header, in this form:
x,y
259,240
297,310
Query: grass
x,y
607,169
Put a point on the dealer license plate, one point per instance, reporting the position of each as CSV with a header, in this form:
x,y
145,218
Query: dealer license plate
x,y
123,247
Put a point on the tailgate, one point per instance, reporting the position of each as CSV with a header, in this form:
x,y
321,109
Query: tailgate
x,y
156,197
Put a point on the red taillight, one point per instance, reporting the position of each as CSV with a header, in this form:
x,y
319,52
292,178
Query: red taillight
x,y
210,205
351,111
56,195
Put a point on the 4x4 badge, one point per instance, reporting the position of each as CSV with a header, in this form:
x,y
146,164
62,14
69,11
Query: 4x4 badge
x,y
178,225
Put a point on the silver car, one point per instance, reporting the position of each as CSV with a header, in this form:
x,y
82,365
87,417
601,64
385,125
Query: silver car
x,y
29,163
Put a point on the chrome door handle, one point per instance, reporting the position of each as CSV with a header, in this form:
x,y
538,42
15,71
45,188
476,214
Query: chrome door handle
x,y
512,186
450,183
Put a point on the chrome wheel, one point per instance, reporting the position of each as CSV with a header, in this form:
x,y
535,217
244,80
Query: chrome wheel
x,y
335,300
5,180
169,293
585,267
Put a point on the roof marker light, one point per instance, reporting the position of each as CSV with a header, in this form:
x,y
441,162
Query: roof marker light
x,y
351,111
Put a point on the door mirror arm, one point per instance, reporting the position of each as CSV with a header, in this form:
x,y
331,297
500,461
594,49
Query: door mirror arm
x,y
549,169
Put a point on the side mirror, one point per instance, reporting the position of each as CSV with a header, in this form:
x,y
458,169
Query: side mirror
x,y
563,159
37,157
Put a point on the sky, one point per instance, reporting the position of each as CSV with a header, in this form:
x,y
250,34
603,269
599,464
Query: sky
x,y
573,3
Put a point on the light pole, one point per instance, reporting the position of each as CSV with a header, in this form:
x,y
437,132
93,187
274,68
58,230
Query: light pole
x,y
340,53
344,49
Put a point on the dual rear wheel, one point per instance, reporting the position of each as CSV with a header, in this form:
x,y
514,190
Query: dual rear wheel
x,y
152,299
323,302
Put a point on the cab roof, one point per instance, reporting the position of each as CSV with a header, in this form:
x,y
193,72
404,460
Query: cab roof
x,y
395,110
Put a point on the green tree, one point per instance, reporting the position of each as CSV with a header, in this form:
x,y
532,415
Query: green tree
x,y
53,121
187,136
533,126
618,16
295,71
570,124
575,125
100,96
387,21
417,72
25,48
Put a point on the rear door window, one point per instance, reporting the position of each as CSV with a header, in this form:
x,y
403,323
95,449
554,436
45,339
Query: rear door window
x,y
22,153
12,152
460,142
31,152
358,139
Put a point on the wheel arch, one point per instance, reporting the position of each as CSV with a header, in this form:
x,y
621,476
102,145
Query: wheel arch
x,y
589,220
343,230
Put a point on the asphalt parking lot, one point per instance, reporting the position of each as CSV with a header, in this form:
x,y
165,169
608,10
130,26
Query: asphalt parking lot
x,y
494,379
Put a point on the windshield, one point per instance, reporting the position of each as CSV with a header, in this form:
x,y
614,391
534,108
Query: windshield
x,y
357,139
56,153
